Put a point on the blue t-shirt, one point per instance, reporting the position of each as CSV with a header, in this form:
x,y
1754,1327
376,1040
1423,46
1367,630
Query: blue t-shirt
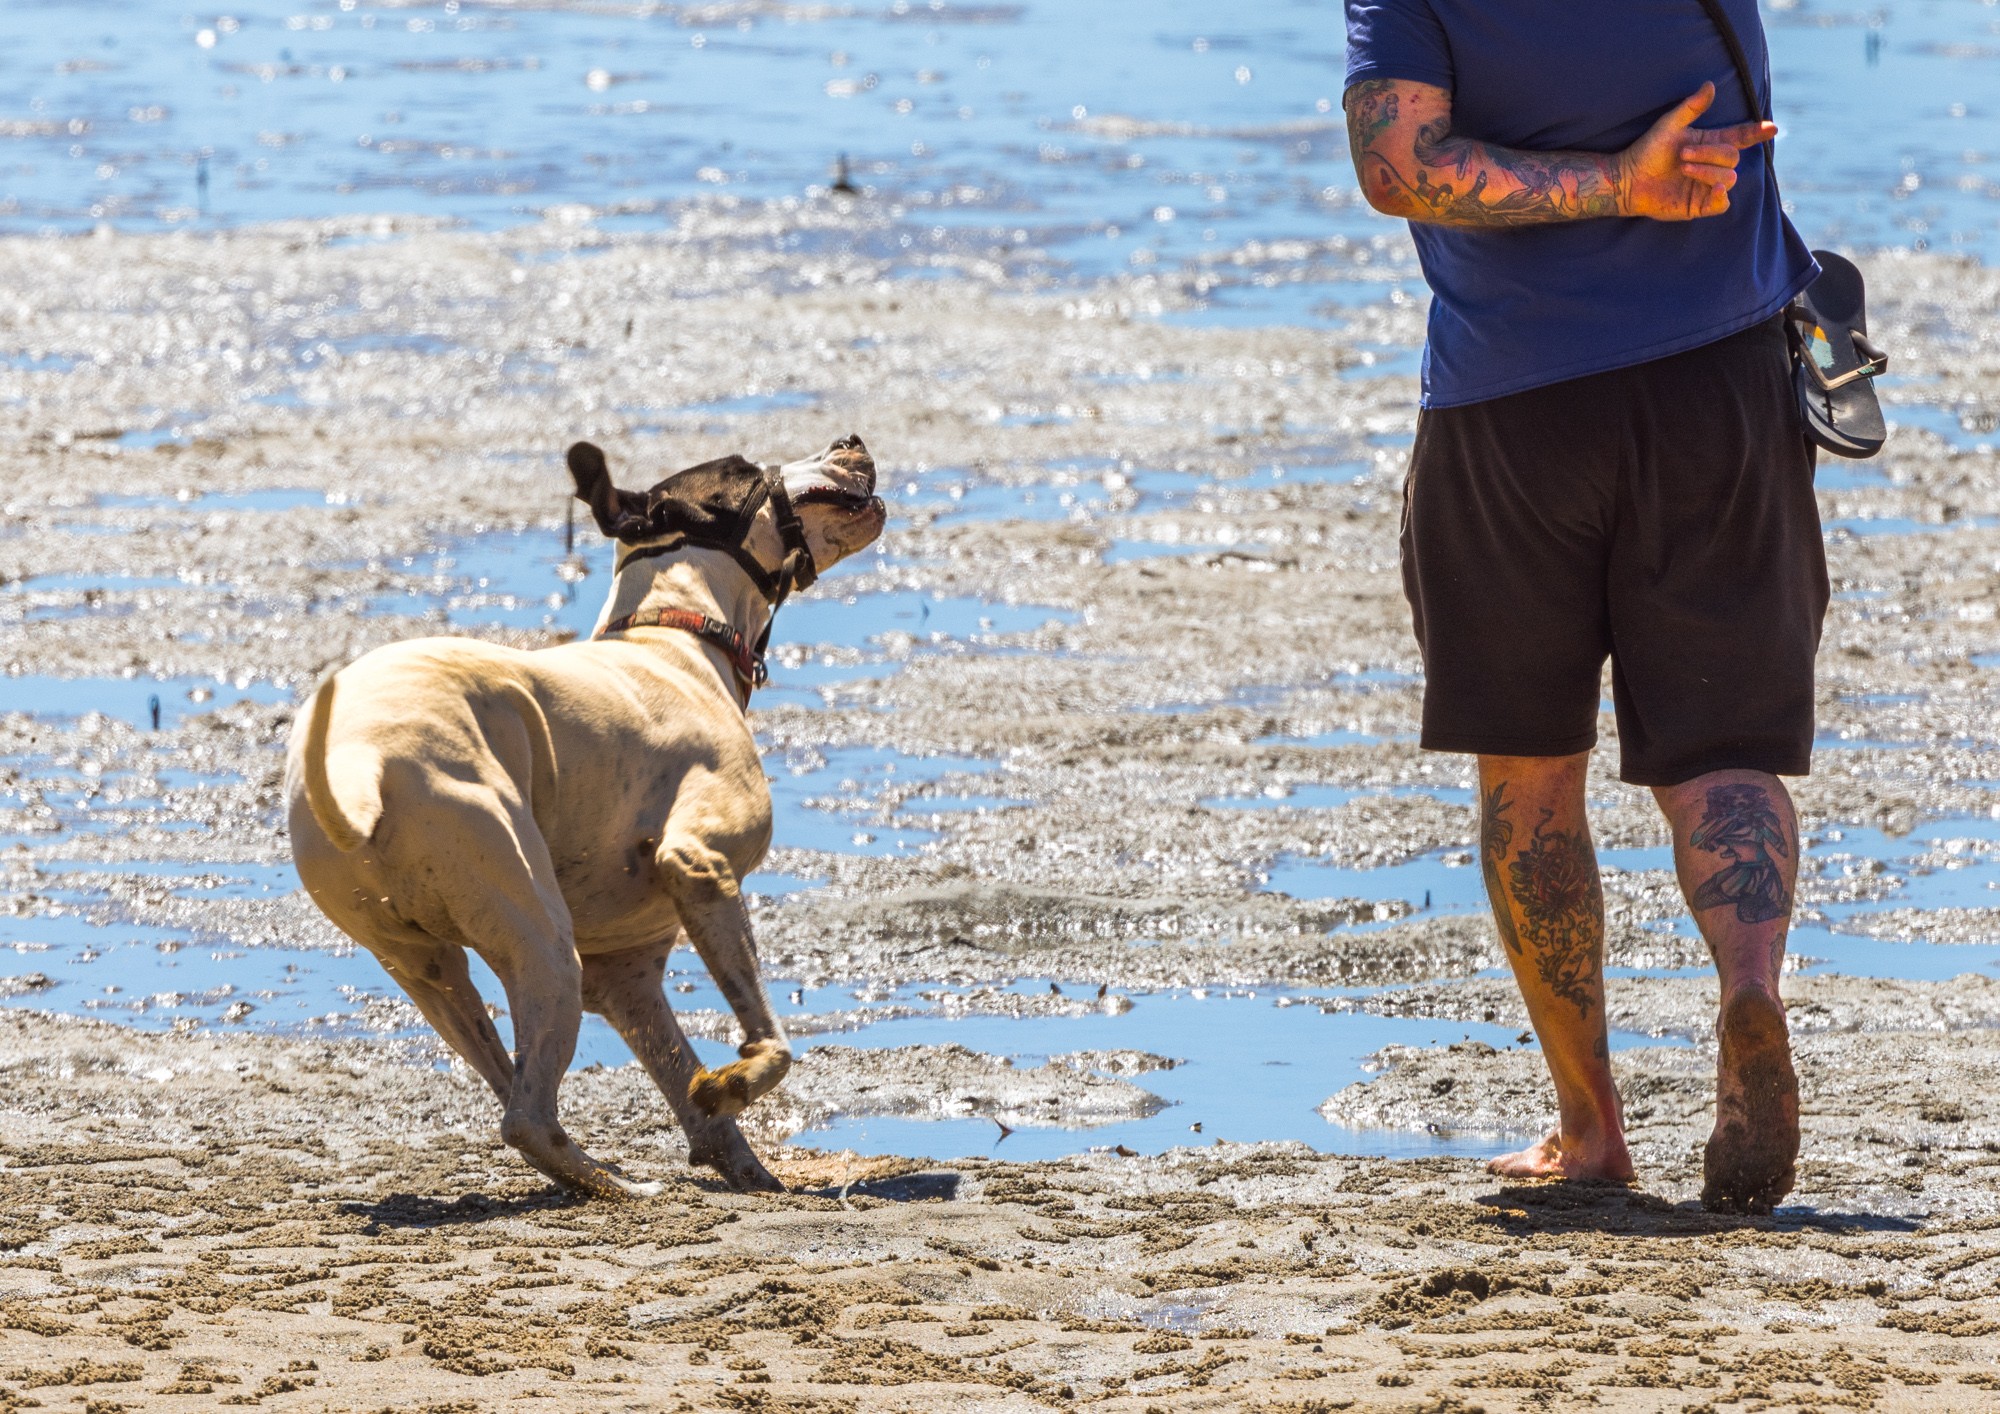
x,y
1525,306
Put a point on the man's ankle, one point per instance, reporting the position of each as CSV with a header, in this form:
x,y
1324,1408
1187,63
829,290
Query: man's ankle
x,y
1738,989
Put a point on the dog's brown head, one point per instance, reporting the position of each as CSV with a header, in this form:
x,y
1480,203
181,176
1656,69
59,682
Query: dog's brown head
x,y
735,505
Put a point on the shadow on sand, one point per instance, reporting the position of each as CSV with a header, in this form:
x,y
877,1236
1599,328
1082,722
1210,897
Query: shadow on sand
x,y
1582,1206
927,1187
414,1210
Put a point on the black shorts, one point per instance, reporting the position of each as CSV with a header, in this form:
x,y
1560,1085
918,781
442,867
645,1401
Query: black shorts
x,y
1660,515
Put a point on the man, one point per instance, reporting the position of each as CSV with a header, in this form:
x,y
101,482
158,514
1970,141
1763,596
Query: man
x,y
1608,463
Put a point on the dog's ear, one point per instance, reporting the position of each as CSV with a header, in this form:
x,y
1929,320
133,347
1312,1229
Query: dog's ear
x,y
616,511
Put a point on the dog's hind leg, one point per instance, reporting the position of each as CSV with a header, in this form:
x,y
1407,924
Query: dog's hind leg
x,y
435,977
624,988
513,914
705,893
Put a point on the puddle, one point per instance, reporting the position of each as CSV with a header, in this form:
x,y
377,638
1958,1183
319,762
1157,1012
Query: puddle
x,y
1258,1061
1265,1059
1254,1070
156,978
1255,1065
24,361
1444,881
1310,797
828,617
1861,528
91,583
950,494
829,799
278,498
1967,429
131,699
672,421
1319,796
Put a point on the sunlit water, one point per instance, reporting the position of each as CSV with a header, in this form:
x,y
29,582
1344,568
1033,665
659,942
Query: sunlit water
x,y
1096,132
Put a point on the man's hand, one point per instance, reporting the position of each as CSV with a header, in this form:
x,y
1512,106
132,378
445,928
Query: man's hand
x,y
1678,172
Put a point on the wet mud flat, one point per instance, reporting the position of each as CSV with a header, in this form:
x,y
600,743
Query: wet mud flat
x,y
1118,726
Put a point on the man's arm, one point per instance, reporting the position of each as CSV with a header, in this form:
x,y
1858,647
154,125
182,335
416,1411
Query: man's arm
x,y
1411,165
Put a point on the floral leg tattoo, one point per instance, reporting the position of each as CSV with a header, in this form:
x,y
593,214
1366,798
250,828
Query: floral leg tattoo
x,y
1742,826
1561,899
1496,834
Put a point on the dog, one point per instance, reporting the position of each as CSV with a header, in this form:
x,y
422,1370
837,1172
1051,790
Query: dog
x,y
570,814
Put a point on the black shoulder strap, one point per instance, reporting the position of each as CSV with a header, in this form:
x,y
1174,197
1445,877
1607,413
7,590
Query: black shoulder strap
x,y
1720,19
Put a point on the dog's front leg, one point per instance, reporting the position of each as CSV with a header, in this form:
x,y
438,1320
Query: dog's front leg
x,y
705,893
624,988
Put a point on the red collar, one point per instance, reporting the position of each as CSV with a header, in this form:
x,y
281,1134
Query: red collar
x,y
747,662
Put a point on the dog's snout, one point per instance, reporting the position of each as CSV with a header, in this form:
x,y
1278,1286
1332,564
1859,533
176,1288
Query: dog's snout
x,y
849,455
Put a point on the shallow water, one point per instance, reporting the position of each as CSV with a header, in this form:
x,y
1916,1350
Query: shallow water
x,y
130,699
1258,1063
1098,135
1259,1072
1259,1060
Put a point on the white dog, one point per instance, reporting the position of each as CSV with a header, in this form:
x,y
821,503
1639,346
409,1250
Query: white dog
x,y
569,814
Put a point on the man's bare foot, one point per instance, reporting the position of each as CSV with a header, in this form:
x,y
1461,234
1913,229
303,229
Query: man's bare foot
x,y
1550,1158
1752,1155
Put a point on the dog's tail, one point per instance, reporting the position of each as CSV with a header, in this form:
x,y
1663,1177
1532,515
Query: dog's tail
x,y
349,812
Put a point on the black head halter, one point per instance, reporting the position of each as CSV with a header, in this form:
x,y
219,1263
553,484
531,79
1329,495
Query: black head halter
x,y
711,507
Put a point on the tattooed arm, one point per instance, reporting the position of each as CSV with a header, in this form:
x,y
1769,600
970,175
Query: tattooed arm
x,y
1412,165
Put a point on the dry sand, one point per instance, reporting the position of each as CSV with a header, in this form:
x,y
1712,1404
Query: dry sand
x,y
221,1217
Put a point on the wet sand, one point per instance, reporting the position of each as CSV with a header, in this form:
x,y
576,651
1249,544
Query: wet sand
x,y
212,1207
186,1227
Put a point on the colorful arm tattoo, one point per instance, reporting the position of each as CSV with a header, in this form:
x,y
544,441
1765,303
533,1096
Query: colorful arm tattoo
x,y
1426,174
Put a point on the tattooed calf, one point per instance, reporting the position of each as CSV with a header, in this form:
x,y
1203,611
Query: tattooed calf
x,y
1496,834
1742,826
1555,884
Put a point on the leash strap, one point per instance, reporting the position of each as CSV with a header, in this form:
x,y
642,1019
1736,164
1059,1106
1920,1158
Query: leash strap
x,y
747,662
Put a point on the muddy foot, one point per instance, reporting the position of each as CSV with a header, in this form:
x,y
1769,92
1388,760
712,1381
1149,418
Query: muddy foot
x,y
1752,1155
1550,1159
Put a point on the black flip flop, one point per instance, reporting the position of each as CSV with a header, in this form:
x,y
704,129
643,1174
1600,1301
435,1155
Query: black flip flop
x,y
1836,367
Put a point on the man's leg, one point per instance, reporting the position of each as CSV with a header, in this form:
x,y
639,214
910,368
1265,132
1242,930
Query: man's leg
x,y
1736,848
1541,876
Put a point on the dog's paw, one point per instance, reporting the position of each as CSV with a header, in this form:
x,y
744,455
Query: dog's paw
x,y
739,1168
720,1093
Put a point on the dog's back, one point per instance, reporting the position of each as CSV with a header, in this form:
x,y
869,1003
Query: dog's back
x,y
588,748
